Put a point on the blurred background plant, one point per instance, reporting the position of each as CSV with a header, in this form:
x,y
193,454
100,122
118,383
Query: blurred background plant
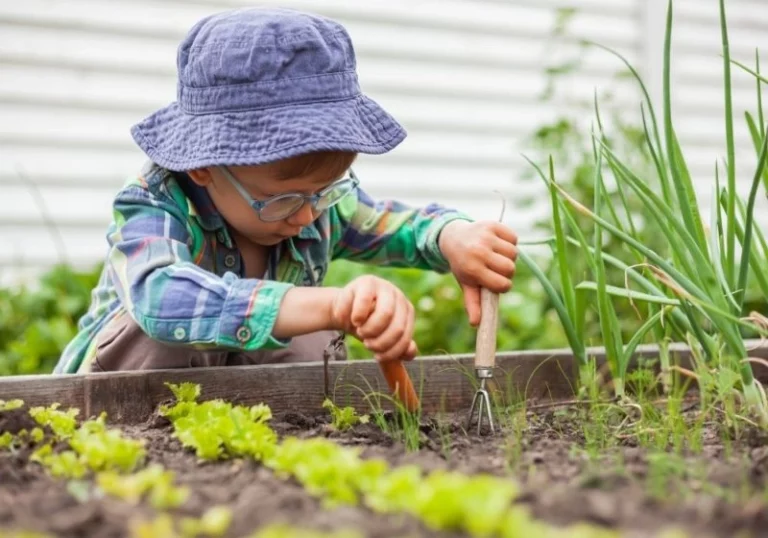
x,y
36,323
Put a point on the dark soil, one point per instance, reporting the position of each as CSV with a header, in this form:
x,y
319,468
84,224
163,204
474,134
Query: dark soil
x,y
718,490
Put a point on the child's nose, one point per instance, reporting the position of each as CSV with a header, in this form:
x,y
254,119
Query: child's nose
x,y
303,216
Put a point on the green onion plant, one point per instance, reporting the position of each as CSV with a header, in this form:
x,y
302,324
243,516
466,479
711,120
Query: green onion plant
x,y
695,291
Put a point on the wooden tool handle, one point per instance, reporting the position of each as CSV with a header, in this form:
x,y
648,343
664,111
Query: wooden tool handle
x,y
400,383
485,345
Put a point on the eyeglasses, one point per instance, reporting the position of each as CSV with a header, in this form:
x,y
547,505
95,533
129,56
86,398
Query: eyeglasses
x,y
283,206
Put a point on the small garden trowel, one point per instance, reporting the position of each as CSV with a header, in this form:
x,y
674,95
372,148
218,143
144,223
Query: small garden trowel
x,y
485,356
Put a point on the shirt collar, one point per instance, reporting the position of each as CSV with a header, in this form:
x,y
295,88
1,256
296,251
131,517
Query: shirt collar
x,y
201,206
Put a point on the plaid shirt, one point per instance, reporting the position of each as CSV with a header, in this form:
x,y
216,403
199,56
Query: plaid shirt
x,y
172,264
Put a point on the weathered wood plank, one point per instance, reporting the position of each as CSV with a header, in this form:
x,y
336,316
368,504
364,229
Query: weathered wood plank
x,y
443,383
44,390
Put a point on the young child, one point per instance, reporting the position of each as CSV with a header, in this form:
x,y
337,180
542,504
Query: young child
x,y
217,252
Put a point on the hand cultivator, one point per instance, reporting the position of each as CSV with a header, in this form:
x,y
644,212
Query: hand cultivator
x,y
485,349
485,357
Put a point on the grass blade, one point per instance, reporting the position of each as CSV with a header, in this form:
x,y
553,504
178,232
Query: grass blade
x,y
729,138
746,247
681,178
652,113
574,338
625,293
689,286
756,141
679,321
649,324
751,71
622,196
658,160
679,237
566,283
609,324
759,261
760,116
715,238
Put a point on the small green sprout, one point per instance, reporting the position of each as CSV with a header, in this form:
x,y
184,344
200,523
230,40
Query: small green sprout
x,y
344,418
184,392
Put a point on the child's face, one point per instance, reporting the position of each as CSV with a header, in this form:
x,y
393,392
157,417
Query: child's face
x,y
261,183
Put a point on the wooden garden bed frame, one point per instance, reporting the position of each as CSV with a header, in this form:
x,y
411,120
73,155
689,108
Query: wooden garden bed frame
x,y
443,383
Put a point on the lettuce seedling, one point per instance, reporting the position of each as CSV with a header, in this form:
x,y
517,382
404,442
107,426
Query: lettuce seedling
x,y
153,481
214,522
6,440
62,423
217,429
324,468
65,464
344,418
10,405
104,449
281,530
395,491
184,392
159,527
487,499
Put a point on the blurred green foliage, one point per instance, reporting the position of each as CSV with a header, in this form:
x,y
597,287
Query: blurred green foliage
x,y
37,322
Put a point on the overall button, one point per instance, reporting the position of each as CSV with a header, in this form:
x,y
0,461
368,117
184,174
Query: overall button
x,y
229,260
222,238
243,333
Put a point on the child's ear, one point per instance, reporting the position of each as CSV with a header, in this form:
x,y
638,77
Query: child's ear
x,y
201,176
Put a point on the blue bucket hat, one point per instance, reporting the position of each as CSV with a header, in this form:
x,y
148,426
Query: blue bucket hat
x,y
257,85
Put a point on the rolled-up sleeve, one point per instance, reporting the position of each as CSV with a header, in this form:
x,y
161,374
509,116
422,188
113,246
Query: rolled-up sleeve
x,y
391,233
171,298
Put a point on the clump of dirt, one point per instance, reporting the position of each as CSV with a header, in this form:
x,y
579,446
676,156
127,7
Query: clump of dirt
x,y
16,420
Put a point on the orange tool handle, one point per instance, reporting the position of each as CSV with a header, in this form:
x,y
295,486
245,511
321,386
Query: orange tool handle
x,y
400,382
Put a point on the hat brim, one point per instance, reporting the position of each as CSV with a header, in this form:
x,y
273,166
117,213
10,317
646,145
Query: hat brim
x,y
179,141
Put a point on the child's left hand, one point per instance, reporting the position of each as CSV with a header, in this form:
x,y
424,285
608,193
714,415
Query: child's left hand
x,y
481,255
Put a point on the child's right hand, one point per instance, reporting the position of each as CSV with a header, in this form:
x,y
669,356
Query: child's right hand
x,y
379,315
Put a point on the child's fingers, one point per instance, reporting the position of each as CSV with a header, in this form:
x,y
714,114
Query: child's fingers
x,y
382,314
411,352
505,248
393,339
472,304
501,265
401,336
504,232
490,279
363,302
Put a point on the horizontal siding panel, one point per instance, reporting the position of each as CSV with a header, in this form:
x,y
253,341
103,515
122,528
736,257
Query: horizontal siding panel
x,y
740,14
90,163
29,204
157,55
174,18
32,245
707,70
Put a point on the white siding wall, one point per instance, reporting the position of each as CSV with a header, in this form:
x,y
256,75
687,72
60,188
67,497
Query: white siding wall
x,y
461,75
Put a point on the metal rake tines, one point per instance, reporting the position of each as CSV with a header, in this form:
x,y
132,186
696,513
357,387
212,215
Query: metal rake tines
x,y
482,400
